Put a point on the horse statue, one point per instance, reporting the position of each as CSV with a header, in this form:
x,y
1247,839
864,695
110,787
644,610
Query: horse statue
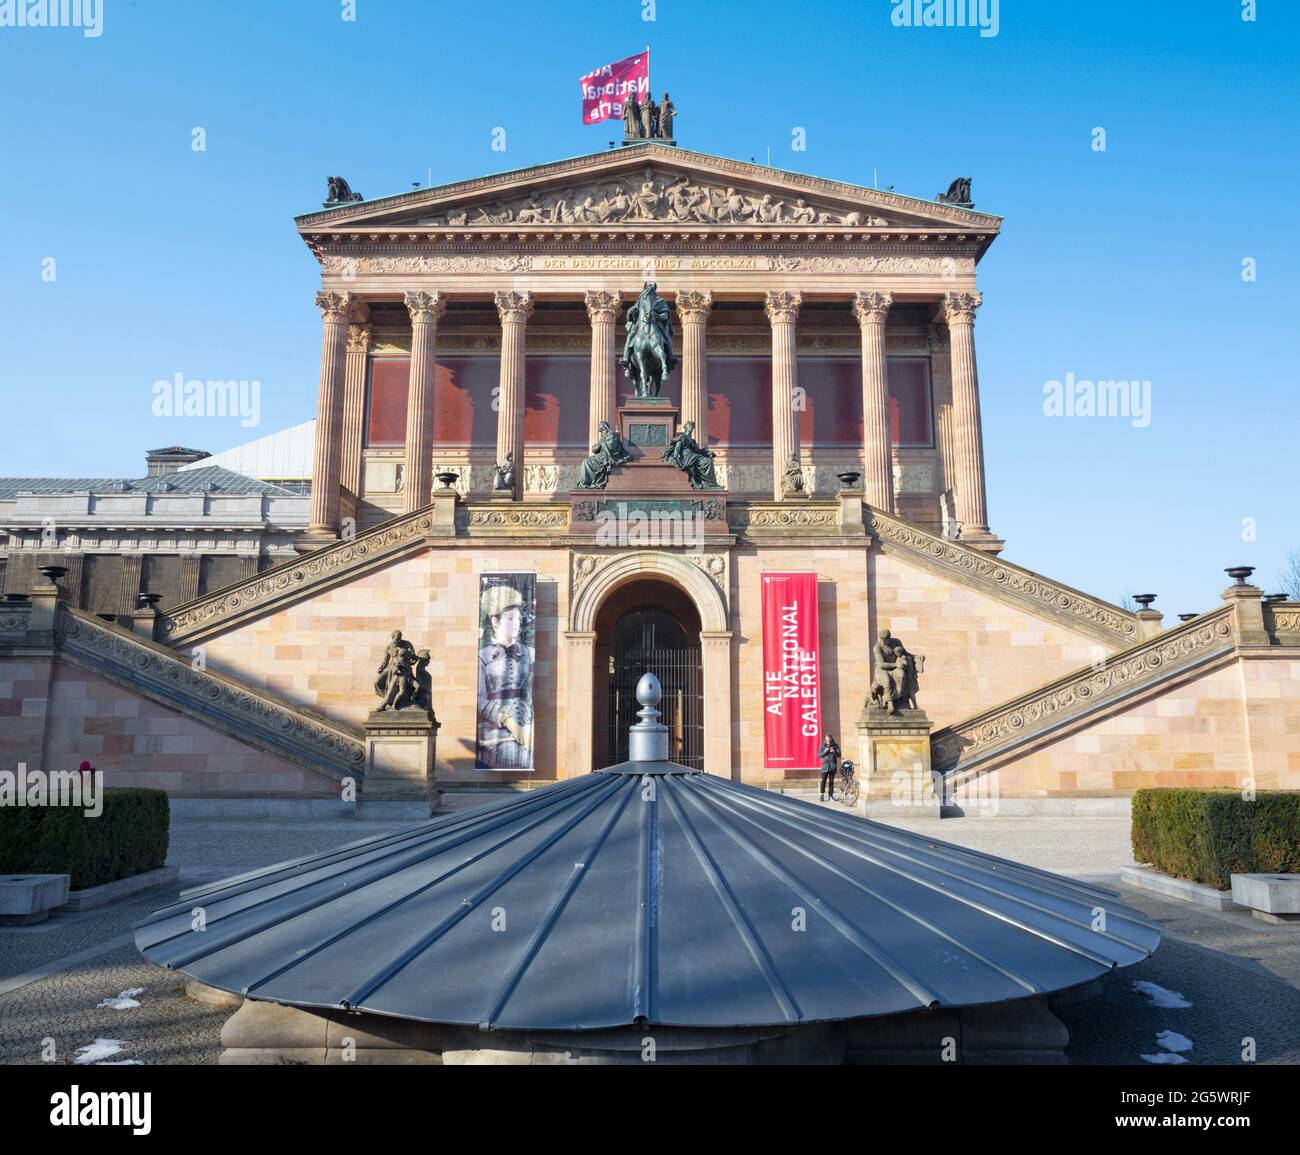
x,y
648,355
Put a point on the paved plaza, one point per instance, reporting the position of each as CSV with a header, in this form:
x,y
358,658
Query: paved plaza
x,y
1241,976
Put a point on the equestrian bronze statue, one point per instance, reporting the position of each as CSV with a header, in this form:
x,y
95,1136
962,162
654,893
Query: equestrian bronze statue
x,y
648,355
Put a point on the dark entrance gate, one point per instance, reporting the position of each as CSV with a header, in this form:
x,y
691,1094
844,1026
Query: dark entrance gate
x,y
650,640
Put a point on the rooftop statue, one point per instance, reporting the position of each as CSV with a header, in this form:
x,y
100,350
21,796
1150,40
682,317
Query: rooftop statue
x,y
648,355
340,192
958,193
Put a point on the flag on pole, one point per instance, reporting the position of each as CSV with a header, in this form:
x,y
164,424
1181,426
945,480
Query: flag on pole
x,y
605,89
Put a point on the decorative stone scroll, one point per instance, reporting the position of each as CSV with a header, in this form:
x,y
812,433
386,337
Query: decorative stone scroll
x,y
254,717
957,746
1002,579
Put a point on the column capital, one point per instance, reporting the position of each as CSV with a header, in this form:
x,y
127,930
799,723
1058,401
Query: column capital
x,y
782,305
425,307
334,306
514,306
872,308
694,304
602,305
359,335
960,307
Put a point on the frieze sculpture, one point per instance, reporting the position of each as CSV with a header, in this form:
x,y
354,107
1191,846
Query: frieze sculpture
x,y
648,355
794,475
958,194
505,471
608,452
403,678
340,193
698,464
669,197
894,674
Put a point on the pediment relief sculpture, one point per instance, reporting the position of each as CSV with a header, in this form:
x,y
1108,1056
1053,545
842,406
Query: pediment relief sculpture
x,y
656,197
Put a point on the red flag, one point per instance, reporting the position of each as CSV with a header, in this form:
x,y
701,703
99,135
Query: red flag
x,y
792,708
605,89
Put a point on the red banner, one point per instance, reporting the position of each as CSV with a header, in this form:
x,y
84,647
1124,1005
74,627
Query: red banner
x,y
605,89
792,706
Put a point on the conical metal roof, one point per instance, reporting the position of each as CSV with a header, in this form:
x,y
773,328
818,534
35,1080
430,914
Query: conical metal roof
x,y
624,897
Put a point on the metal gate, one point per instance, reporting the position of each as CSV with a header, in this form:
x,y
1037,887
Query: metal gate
x,y
682,707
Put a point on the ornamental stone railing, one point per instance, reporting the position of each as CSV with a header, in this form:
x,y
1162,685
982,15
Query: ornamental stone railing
x,y
213,613
1030,591
251,716
1012,727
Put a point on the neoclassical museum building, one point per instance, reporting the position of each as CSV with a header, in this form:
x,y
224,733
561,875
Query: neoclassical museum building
x,y
824,337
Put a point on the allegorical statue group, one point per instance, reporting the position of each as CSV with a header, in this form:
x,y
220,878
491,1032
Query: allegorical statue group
x,y
403,677
894,674
645,120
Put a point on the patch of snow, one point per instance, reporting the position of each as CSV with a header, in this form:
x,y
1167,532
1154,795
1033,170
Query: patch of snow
x,y
1169,1000
98,1051
125,1000
1173,1041
1164,1057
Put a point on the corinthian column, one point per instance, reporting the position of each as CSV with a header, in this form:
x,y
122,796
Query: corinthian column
x,y
323,524
968,450
425,309
693,308
782,311
354,397
602,308
514,310
872,310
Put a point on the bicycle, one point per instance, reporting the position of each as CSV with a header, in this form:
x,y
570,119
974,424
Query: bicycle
x,y
848,783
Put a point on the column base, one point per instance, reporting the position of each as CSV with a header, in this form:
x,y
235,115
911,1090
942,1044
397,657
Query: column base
x,y
982,540
315,539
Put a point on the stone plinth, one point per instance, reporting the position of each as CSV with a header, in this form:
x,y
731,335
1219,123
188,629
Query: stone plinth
x,y
894,768
28,898
400,751
646,425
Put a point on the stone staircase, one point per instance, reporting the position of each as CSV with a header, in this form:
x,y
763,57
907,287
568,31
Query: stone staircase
x,y
1108,624
251,716
1083,697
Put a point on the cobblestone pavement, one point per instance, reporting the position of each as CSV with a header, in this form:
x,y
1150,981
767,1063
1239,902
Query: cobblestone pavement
x,y
1241,976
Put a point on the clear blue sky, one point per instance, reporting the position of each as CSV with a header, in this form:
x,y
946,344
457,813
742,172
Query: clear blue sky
x,y
1122,264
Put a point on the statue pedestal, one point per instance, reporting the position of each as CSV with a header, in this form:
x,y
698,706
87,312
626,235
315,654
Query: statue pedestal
x,y
400,751
646,425
894,771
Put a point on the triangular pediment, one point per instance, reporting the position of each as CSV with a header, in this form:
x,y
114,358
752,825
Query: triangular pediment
x,y
651,186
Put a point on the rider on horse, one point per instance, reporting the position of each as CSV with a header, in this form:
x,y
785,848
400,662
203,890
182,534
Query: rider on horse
x,y
649,338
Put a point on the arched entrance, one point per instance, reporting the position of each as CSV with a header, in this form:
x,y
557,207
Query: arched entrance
x,y
597,578
648,625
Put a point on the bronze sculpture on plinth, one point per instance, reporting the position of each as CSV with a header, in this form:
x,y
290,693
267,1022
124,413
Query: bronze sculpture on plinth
x,y
648,355
403,678
685,452
608,452
894,675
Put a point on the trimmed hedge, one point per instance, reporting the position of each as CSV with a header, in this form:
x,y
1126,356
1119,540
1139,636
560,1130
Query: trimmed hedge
x,y
1209,835
129,837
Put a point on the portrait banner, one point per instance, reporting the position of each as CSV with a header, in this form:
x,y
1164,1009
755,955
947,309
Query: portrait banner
x,y
605,89
792,711
507,606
